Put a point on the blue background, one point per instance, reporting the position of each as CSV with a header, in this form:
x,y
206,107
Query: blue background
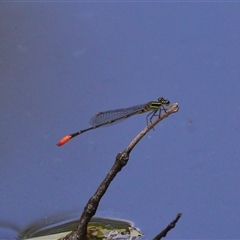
x,y
63,62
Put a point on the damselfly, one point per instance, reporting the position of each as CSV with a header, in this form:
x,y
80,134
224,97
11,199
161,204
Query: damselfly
x,y
113,116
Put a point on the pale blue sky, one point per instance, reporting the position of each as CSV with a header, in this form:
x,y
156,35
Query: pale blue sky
x,y
63,62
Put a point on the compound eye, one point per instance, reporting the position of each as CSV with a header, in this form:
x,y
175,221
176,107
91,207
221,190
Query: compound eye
x,y
163,101
167,102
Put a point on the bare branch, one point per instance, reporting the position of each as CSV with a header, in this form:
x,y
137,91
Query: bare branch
x,y
168,228
121,160
172,109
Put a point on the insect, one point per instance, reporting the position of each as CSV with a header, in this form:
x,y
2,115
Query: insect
x,y
113,116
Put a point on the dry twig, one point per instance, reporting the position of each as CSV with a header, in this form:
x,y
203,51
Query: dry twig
x,y
121,160
170,226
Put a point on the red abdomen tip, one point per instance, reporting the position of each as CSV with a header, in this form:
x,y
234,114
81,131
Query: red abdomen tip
x,y
64,140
